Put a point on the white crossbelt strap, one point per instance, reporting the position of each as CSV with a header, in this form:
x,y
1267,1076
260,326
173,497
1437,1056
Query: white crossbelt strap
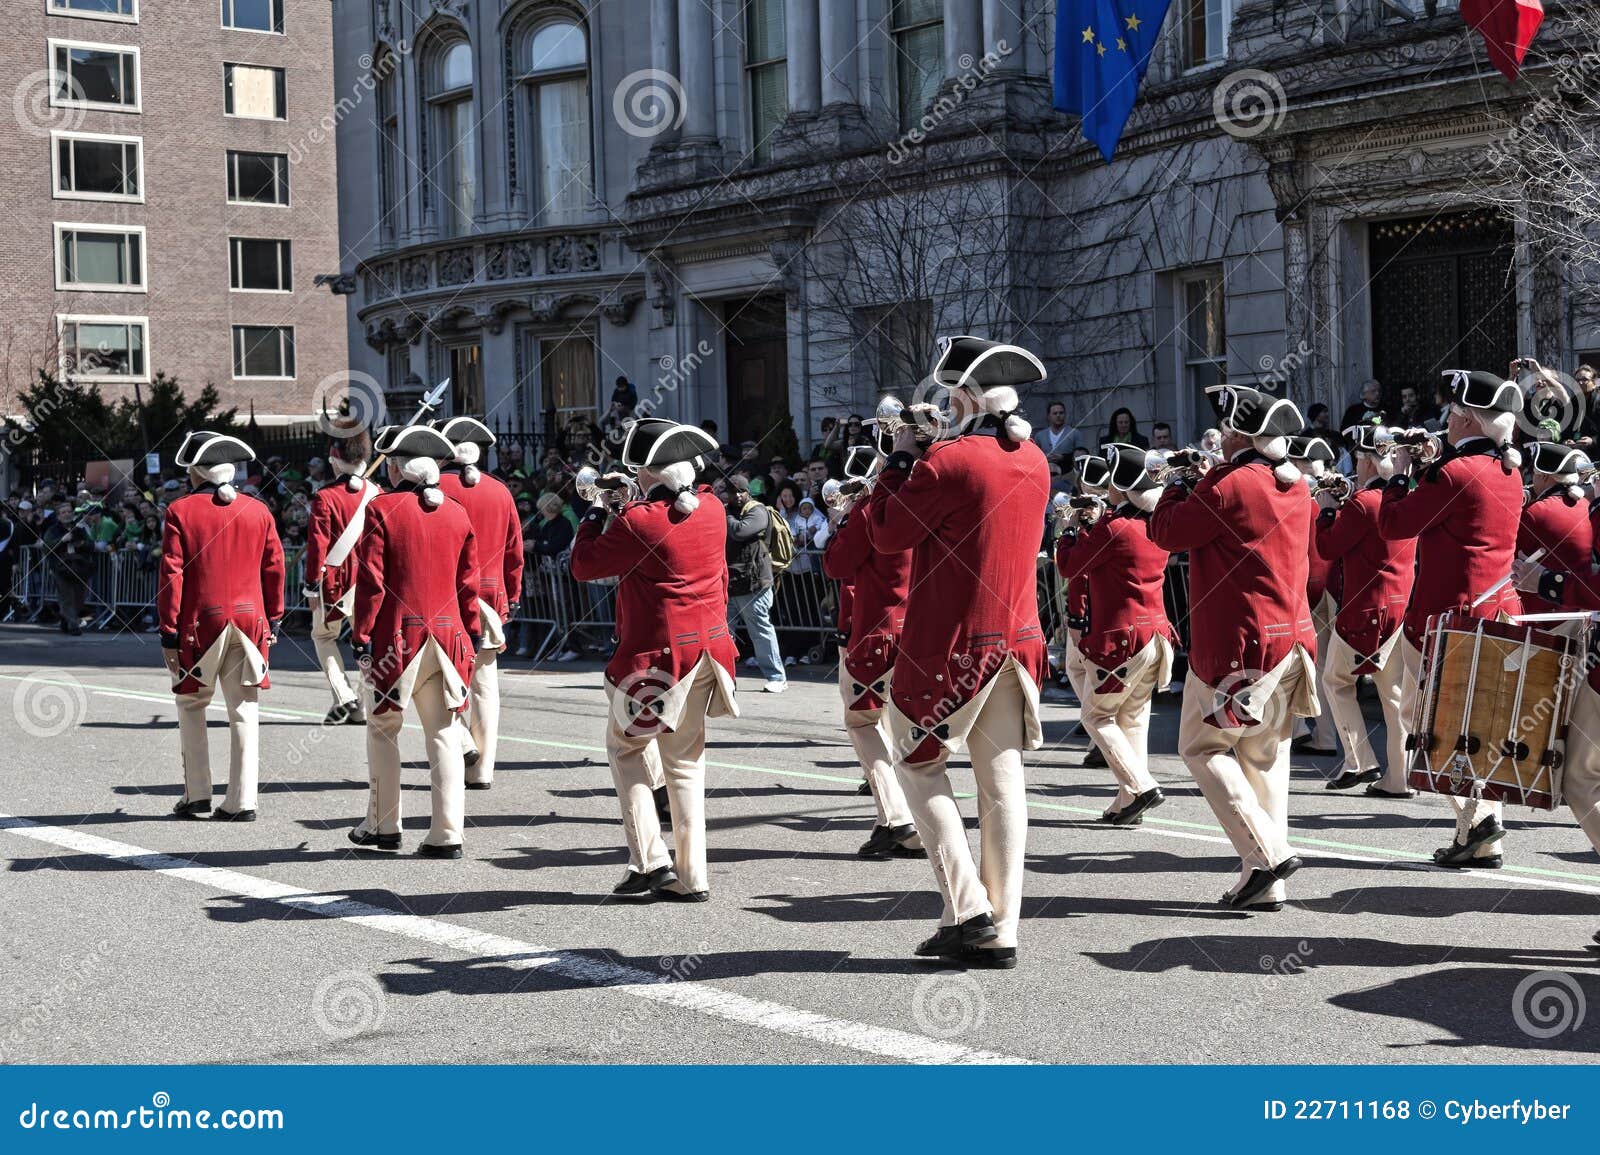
x,y
346,541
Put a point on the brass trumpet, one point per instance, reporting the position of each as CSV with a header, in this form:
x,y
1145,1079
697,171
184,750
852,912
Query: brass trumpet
x,y
841,495
1337,486
1168,465
1426,446
1069,508
590,484
892,416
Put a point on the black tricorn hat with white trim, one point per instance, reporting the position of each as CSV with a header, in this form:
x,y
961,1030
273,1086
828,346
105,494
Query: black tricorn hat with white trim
x,y
1364,437
1484,391
1093,472
977,364
1548,457
460,430
652,442
1126,468
204,447
1310,447
1252,413
406,441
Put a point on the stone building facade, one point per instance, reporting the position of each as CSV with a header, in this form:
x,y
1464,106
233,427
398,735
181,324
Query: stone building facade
x,y
763,211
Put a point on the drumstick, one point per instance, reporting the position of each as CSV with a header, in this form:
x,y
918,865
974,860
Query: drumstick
x,y
1505,581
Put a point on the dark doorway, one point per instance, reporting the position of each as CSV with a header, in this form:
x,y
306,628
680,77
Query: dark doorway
x,y
758,368
1443,297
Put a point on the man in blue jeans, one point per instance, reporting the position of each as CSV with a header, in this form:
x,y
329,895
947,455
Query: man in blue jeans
x,y
750,576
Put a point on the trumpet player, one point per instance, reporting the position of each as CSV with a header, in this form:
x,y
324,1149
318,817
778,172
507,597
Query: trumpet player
x,y
1127,650
1365,639
1092,479
1313,457
1252,649
1464,514
1555,522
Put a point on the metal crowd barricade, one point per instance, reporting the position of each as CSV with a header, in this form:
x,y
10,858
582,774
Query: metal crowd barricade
x,y
805,607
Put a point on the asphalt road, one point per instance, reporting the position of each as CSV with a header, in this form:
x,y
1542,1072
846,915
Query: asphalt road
x,y
128,936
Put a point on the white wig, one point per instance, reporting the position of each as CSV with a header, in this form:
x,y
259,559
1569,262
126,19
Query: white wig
x,y
220,475
1276,450
424,471
1001,401
679,477
1501,428
468,455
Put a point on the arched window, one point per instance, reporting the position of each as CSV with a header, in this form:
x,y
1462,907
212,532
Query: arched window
x,y
555,81
391,149
454,160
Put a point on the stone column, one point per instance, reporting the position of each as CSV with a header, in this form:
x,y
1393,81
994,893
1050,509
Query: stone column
x,y
838,34
696,39
802,31
1002,32
664,52
963,36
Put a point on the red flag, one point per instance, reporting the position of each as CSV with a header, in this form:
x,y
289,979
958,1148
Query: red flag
x,y
1507,28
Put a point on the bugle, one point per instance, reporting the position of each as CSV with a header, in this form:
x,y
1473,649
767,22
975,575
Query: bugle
x,y
1426,445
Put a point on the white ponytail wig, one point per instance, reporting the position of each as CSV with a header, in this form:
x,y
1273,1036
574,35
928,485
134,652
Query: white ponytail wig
x,y
424,472
1001,402
679,477
1146,499
1501,428
1275,450
467,456
220,476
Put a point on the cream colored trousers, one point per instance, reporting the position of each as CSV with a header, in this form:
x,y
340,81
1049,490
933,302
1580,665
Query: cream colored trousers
x,y
1469,811
1324,727
244,733
1119,722
483,696
1581,782
995,744
641,762
869,734
325,640
447,771
1243,772
1339,683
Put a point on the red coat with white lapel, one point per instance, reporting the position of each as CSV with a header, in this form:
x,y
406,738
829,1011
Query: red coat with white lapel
x,y
1464,513
1377,573
672,599
1125,572
1249,557
332,507
416,581
970,512
499,536
880,583
221,565
1557,523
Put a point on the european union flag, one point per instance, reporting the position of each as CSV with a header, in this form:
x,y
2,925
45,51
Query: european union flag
x,y
1102,50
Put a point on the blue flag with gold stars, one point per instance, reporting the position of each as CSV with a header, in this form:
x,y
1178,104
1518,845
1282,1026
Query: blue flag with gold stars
x,y
1102,50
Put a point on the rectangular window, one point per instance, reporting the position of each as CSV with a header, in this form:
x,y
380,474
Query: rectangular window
x,y
918,31
263,351
1204,341
259,266
253,15
767,73
124,10
98,258
260,178
108,168
105,348
254,92
567,373
94,76
1205,31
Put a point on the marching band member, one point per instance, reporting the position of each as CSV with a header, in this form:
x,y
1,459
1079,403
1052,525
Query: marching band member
x,y
1252,664
880,581
1366,633
220,600
498,530
1093,475
1127,649
338,514
972,656
416,631
1556,520
1464,514
674,662
1313,457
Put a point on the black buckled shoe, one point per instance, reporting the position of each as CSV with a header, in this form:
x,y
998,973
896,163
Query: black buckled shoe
x,y
1380,792
1485,832
372,840
1133,813
1260,881
663,804
1094,759
637,882
889,842
199,808
949,940
223,815
433,850
1353,778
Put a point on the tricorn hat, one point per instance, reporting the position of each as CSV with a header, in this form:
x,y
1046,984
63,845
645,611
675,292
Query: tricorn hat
x,y
1126,468
651,442
979,365
1252,413
1364,437
1310,447
205,447
1093,472
406,441
1548,457
457,430
1486,391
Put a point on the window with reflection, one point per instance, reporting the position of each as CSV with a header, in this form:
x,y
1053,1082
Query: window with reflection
x,y
454,160
555,78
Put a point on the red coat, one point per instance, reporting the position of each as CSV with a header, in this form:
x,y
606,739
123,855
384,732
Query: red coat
x,y
1377,573
1125,572
1323,577
672,599
221,565
1077,599
499,532
416,581
332,507
1464,514
1249,557
880,582
970,512
1557,523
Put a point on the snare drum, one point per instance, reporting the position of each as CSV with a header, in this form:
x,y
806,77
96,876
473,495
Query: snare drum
x,y
1491,714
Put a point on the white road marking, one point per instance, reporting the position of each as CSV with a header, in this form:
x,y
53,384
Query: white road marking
x,y
883,1042
275,715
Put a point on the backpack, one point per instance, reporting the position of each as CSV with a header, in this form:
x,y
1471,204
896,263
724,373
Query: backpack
x,y
780,542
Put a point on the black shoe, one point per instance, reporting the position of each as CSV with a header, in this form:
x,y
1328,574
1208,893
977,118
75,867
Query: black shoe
x,y
1380,792
430,850
663,804
471,758
1302,745
196,809
949,940
1485,832
887,842
865,789
1133,813
373,840
1260,881
479,785
635,882
667,894
354,715
1352,778
1094,760
338,716
999,958
231,816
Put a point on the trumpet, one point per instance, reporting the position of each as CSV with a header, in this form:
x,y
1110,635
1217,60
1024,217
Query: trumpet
x,y
1426,446
841,495
1336,486
1187,464
892,416
1067,508
591,484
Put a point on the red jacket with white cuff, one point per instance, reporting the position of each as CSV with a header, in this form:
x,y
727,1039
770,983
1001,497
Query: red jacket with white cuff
x,y
1126,574
879,582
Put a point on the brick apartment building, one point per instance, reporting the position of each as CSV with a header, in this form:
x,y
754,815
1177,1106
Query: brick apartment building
x,y
167,193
